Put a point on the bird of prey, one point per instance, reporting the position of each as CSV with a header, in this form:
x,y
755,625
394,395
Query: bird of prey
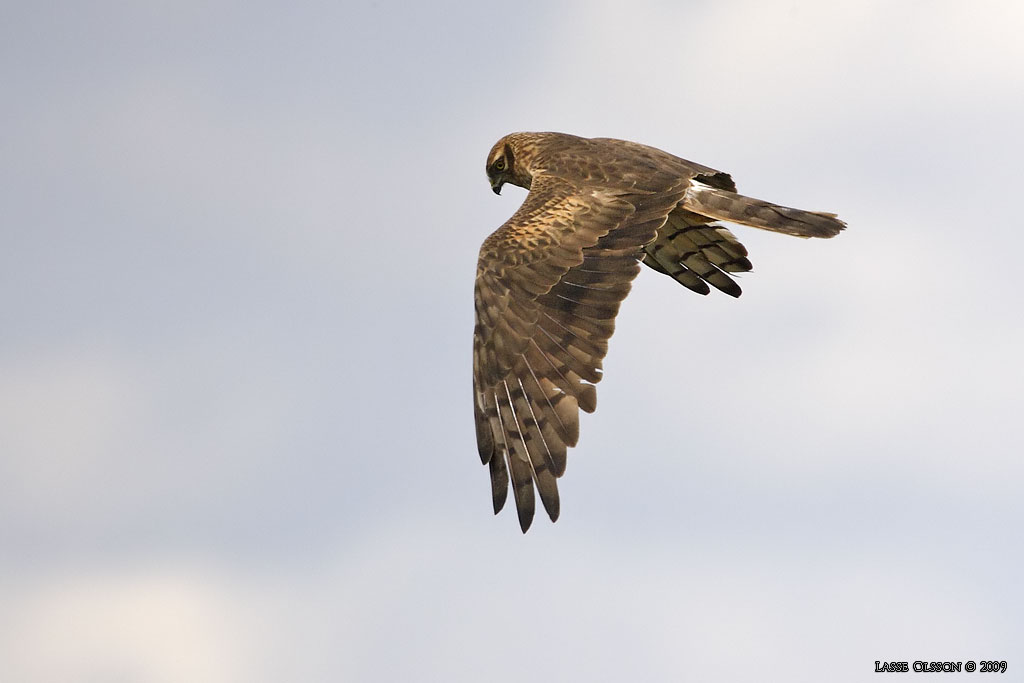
x,y
550,280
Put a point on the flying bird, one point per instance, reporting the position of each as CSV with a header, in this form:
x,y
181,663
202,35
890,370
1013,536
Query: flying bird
x,y
550,280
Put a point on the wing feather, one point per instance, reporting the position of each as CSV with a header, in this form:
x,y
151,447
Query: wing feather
x,y
517,458
696,252
549,285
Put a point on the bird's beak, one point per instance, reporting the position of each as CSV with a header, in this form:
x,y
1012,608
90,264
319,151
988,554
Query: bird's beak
x,y
496,186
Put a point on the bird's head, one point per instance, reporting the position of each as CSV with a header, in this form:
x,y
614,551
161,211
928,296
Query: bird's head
x,y
500,163
508,162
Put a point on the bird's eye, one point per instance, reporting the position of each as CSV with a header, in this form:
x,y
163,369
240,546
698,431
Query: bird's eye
x,y
499,165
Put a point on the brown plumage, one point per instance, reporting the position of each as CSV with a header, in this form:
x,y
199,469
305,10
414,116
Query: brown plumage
x,y
550,280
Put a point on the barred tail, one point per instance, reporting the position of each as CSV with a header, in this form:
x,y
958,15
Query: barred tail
x,y
735,208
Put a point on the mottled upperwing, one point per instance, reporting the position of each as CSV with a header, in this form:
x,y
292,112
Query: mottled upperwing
x,y
548,287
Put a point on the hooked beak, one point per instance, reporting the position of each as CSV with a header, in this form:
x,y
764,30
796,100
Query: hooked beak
x,y
496,186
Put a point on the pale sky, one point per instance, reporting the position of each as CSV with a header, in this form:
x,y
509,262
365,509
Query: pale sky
x,y
236,439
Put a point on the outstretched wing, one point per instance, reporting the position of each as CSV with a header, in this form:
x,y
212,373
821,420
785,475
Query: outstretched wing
x,y
548,287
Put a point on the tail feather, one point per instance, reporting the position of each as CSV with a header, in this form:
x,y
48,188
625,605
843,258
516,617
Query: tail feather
x,y
728,206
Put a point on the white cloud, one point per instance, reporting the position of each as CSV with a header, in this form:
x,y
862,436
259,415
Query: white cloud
x,y
126,625
401,606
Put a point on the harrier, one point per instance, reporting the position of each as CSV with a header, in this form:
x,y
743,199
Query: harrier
x,y
550,280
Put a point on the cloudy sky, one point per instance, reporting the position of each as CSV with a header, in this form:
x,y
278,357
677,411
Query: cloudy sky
x,y
236,441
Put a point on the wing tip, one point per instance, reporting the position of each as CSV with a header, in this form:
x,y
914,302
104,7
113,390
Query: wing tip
x,y
525,519
498,503
553,512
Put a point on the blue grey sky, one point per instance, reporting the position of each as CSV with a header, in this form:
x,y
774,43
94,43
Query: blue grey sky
x,y
236,440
